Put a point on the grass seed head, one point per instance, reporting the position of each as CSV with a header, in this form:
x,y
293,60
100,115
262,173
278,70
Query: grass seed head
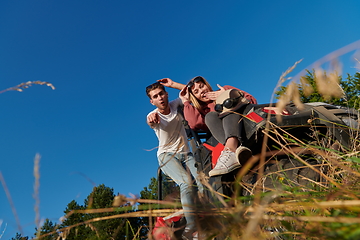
x,y
328,85
291,94
119,200
307,88
27,84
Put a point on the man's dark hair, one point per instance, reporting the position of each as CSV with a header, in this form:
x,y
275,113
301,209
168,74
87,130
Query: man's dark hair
x,y
154,86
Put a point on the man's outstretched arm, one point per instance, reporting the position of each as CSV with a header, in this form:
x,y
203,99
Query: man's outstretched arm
x,y
153,119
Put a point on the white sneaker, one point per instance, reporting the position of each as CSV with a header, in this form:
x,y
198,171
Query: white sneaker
x,y
189,235
226,163
243,154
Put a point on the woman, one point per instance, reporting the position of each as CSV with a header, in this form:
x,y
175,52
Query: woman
x,y
199,111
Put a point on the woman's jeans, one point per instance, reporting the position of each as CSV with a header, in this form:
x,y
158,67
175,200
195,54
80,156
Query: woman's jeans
x,y
178,166
224,128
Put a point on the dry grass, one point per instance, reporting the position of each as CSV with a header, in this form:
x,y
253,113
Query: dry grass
x,y
291,213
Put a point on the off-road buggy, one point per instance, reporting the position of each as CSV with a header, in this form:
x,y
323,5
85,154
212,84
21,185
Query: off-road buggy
x,y
316,123
280,142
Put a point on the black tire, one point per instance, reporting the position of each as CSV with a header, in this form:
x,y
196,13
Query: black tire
x,y
284,174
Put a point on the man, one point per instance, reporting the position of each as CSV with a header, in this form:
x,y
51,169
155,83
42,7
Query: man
x,y
174,156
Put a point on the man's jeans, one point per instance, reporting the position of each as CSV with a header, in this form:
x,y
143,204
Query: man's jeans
x,y
177,167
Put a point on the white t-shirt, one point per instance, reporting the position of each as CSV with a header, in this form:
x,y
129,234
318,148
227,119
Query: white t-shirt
x,y
170,131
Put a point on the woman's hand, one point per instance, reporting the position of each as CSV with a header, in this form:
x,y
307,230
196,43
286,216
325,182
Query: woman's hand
x,y
213,95
184,94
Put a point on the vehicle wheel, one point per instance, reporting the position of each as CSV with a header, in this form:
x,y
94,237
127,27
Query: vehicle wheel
x,y
284,174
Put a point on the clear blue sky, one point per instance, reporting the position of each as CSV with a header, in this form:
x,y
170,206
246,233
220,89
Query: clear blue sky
x,y
100,56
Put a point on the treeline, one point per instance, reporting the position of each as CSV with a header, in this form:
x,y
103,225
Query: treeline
x,y
80,222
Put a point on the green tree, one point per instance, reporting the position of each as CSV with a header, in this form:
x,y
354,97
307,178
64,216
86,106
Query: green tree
x,y
99,225
168,186
350,87
18,236
47,227
150,192
76,231
102,197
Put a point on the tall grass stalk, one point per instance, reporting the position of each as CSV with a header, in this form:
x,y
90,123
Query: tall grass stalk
x,y
36,192
8,195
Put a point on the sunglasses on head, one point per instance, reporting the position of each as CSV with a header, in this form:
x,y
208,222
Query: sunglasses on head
x,y
195,80
227,103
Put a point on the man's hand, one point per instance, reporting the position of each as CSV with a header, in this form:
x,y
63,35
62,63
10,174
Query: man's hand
x,y
184,94
213,95
167,82
153,119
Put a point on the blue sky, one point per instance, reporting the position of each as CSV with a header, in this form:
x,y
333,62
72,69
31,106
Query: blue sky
x,y
100,56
